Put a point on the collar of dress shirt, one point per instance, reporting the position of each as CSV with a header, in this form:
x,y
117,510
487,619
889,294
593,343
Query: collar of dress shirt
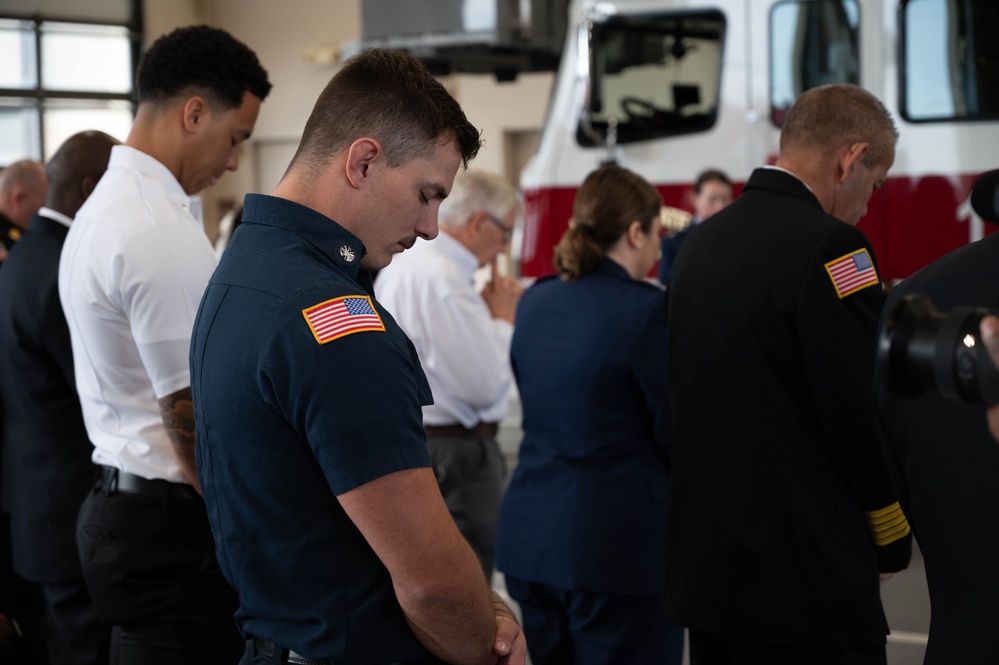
x,y
450,247
55,216
790,173
127,157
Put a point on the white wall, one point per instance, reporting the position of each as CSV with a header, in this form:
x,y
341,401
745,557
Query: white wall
x,y
281,32
162,16
500,108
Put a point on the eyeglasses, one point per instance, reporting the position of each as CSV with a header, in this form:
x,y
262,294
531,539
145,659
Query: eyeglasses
x,y
507,231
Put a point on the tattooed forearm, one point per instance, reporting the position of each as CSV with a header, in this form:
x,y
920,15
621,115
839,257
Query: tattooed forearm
x,y
177,410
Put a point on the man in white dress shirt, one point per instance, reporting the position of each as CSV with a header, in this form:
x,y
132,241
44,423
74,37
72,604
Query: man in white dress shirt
x,y
463,339
132,272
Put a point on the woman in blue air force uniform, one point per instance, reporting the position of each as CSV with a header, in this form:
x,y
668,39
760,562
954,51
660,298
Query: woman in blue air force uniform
x,y
581,528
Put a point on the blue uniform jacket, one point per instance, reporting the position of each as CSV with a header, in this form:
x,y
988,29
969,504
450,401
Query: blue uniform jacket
x,y
669,247
586,506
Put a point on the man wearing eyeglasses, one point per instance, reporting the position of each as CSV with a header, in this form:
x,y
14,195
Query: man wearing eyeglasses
x,y
463,339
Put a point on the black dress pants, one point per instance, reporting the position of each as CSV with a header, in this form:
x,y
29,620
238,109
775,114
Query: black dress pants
x,y
21,604
712,649
150,565
74,634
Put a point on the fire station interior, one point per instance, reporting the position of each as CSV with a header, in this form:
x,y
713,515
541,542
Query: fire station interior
x,y
302,42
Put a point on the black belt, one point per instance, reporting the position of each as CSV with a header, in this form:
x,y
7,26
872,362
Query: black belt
x,y
268,648
480,431
113,480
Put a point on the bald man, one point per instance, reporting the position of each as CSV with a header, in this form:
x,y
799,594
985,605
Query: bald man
x,y
23,187
47,470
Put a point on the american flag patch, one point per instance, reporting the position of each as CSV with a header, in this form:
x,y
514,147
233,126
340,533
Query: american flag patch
x,y
342,316
852,272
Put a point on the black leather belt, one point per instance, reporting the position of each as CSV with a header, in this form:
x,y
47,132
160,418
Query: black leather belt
x,y
268,648
480,431
113,480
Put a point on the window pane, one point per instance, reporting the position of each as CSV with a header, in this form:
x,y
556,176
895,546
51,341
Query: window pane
x,y
63,120
951,59
656,77
811,44
17,55
18,130
85,57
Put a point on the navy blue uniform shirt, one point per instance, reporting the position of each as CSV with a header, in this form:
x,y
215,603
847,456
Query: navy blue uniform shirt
x,y
304,389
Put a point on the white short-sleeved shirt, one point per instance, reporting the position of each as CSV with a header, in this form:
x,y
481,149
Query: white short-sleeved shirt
x,y
465,352
133,269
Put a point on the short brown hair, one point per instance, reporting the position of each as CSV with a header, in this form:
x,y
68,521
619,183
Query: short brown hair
x,y
391,97
608,201
711,175
838,114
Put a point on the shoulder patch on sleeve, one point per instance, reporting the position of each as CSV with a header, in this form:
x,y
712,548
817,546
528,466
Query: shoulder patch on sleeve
x,y
343,316
852,272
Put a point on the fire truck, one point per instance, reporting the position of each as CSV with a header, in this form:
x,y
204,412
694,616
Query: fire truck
x,y
668,88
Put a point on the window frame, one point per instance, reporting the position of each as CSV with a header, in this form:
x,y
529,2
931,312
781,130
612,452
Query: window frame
x,y
37,98
903,100
776,115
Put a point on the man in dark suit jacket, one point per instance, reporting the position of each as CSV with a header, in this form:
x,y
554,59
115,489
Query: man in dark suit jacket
x,y
946,465
46,452
23,186
782,513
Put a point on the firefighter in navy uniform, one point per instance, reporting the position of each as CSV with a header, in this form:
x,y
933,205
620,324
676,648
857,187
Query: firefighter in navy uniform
x,y
307,395
782,513
249,303
582,527
23,188
47,454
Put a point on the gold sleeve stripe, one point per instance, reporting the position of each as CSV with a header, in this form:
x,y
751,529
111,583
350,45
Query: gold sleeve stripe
x,y
886,525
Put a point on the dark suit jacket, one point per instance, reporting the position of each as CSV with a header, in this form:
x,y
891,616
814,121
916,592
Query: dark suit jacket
x,y
946,467
778,473
46,469
586,505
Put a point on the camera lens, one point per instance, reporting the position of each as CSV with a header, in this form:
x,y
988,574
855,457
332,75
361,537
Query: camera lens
x,y
920,348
